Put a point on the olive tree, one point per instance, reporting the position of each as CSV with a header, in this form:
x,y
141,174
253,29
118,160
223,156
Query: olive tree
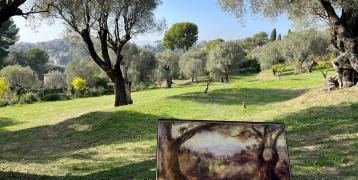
x,y
302,47
114,23
211,44
224,58
168,66
142,68
192,63
341,16
268,55
55,80
19,79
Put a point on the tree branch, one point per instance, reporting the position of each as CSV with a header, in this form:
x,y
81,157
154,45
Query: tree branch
x,y
331,13
189,134
277,134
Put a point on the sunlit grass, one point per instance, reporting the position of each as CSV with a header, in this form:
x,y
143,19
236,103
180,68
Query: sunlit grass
x,y
88,138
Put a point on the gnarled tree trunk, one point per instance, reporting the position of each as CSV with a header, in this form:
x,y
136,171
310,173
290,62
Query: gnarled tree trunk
x,y
122,88
344,31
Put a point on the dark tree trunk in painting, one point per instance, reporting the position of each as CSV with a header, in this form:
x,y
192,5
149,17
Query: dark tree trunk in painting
x,y
268,154
169,153
169,149
344,31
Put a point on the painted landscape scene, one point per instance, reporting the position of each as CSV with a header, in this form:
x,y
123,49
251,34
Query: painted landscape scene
x,y
196,150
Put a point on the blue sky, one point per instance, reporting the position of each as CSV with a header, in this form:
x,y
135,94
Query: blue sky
x,y
212,23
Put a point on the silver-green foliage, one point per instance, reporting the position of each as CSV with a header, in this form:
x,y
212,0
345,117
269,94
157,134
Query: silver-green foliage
x,y
142,67
20,78
168,63
268,55
192,63
300,48
55,80
225,58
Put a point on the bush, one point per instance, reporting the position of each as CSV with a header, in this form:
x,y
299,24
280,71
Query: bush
x,y
3,102
278,69
51,97
3,88
55,80
79,85
101,82
20,79
14,99
29,98
92,92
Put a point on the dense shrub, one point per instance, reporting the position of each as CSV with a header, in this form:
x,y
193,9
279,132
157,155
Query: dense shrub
x,y
79,85
249,66
55,80
278,69
93,92
4,88
51,97
14,99
29,98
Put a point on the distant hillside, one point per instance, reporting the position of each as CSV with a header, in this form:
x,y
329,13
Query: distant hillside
x,y
60,51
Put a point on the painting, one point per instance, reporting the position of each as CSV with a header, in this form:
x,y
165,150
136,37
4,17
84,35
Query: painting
x,y
208,150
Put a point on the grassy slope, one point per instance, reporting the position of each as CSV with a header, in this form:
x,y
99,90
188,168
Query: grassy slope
x,y
88,138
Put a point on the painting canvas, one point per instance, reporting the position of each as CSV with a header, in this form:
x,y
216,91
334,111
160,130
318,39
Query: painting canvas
x,y
196,150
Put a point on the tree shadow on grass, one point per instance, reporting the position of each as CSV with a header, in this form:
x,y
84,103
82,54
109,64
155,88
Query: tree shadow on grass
x,y
4,122
51,142
140,170
323,142
251,96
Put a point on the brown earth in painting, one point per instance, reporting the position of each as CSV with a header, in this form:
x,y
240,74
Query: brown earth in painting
x,y
243,165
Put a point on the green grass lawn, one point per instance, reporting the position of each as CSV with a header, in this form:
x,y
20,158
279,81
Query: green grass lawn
x,y
88,138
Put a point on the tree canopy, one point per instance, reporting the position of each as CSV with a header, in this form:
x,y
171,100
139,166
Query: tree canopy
x,y
181,36
256,40
35,58
224,57
8,37
168,62
19,79
299,48
268,55
192,63
273,35
115,23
